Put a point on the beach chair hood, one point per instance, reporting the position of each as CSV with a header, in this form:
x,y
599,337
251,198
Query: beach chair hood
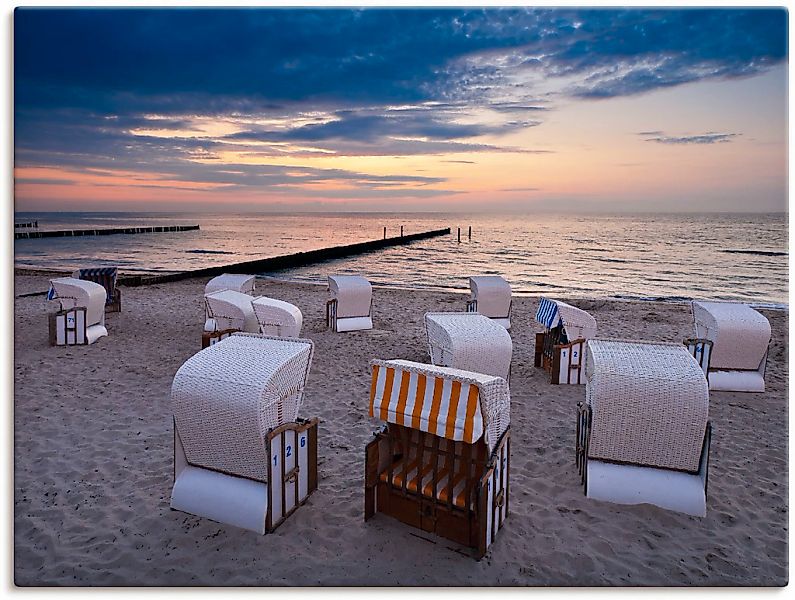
x,y
104,276
73,292
231,281
577,323
451,403
276,317
740,335
353,293
232,310
493,295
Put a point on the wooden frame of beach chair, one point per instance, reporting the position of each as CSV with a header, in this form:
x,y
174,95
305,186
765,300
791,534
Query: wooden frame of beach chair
x,y
291,450
213,337
68,327
455,488
241,455
106,277
643,434
555,351
471,518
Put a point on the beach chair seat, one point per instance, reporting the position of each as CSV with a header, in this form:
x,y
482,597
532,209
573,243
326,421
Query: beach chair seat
x,y
276,317
441,460
226,312
231,281
81,315
560,347
469,341
643,432
350,303
106,277
242,456
491,297
740,337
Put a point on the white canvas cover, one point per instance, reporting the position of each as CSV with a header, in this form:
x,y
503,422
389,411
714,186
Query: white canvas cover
x,y
739,334
493,295
353,293
231,281
277,317
71,292
228,309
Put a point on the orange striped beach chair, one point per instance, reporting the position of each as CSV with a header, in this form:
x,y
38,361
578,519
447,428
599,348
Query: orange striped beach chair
x,y
441,461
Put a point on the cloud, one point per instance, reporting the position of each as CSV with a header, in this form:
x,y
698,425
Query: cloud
x,y
704,138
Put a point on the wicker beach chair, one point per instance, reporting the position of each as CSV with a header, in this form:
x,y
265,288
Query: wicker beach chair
x,y
491,296
106,277
241,454
231,281
441,461
81,315
559,348
276,317
739,338
227,311
350,304
643,434
469,341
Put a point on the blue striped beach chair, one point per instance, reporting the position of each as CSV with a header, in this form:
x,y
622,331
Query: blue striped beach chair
x,y
441,460
106,277
559,348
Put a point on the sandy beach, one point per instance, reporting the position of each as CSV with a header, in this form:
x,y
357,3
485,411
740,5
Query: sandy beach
x,y
93,463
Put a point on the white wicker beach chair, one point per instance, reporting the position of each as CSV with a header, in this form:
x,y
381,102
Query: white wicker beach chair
x,y
81,318
231,281
350,304
643,434
560,347
441,462
241,454
491,296
228,311
276,317
469,341
740,338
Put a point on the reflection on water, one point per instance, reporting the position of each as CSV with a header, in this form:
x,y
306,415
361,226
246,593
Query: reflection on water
x,y
727,257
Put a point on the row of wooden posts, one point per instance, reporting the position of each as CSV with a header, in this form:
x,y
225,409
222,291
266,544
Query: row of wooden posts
x,y
459,233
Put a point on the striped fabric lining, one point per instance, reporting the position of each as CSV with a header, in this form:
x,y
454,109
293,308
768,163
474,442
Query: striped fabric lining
x,y
422,479
104,276
547,313
443,407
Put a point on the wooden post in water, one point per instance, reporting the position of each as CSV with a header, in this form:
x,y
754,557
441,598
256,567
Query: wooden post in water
x,y
470,232
384,232
401,231
459,235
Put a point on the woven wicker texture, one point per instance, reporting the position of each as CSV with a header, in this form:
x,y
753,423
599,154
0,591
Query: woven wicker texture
x,y
650,403
353,293
493,295
231,281
739,334
231,310
451,403
71,292
469,341
277,317
226,398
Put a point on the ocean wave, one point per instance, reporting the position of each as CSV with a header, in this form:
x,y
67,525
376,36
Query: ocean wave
x,y
208,252
758,252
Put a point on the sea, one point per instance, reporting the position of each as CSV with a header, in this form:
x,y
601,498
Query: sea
x,y
676,257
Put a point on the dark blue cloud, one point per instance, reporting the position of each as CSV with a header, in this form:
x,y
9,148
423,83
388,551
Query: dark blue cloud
x,y
702,138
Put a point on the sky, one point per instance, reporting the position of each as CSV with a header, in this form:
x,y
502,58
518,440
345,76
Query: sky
x,y
516,109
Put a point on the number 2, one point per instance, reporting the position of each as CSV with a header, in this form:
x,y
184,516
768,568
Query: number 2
x,y
288,451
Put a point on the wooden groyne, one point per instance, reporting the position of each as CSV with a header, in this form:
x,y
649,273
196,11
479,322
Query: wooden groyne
x,y
112,231
26,224
289,261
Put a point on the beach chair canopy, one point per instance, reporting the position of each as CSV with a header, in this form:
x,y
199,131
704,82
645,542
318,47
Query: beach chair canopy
x,y
353,294
228,396
451,403
228,309
72,292
493,295
739,334
577,323
469,341
650,404
276,317
104,276
231,281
